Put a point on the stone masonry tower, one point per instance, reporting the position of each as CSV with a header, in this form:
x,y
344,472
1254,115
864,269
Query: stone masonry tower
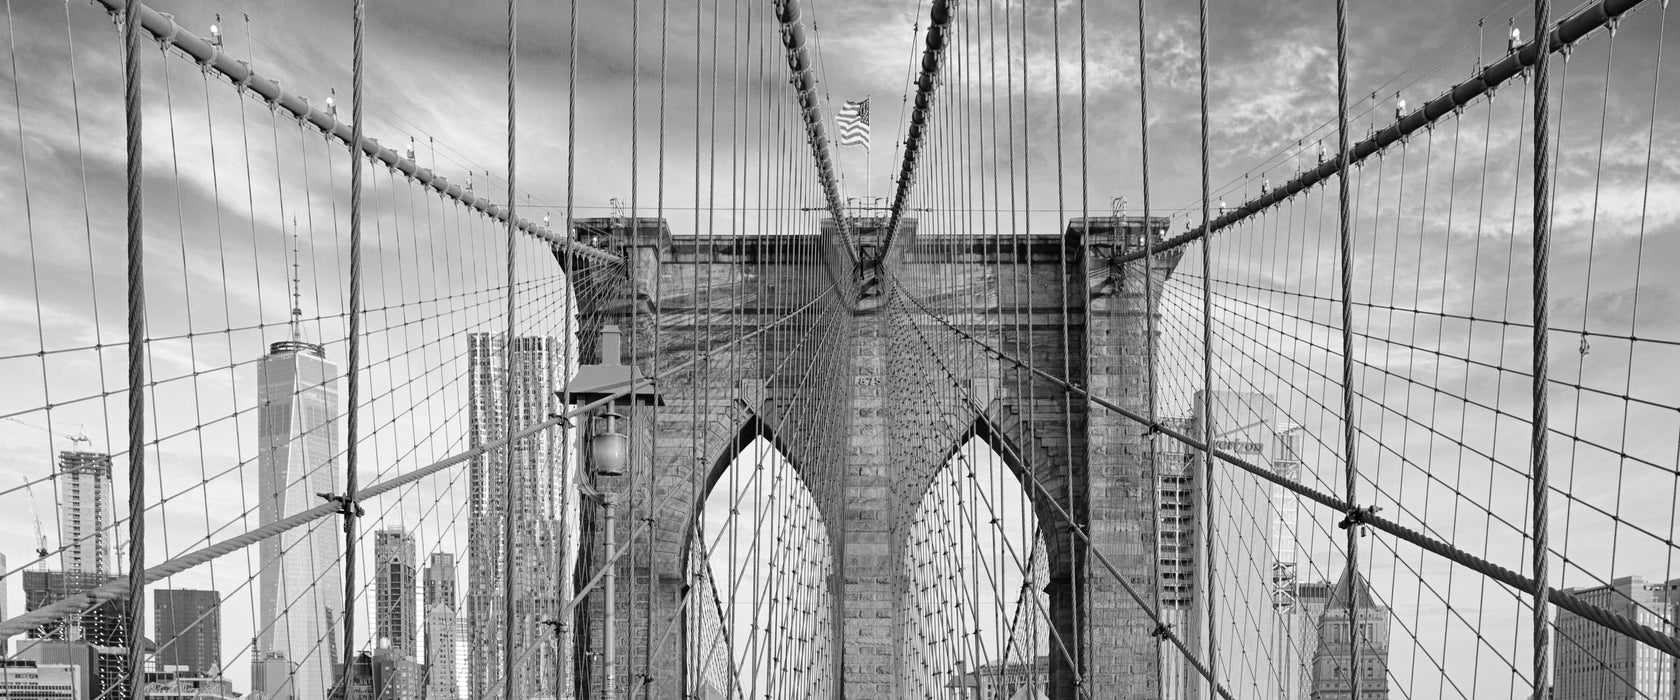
x,y
829,386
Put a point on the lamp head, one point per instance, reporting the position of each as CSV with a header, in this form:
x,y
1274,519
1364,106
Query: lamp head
x,y
609,449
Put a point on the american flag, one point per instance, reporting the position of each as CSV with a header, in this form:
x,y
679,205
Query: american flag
x,y
853,120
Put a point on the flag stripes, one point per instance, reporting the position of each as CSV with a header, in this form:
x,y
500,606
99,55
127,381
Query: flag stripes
x,y
853,120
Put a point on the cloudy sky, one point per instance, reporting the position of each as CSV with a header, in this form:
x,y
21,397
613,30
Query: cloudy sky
x,y
436,78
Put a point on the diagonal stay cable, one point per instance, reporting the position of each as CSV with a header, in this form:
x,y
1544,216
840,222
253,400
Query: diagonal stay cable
x,y
116,589
1161,628
1666,643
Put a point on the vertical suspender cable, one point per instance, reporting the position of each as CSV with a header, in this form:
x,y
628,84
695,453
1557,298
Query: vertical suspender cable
x,y
1542,254
1078,571
1207,348
653,417
570,346
353,345
509,479
136,354
632,450
1346,238
1149,326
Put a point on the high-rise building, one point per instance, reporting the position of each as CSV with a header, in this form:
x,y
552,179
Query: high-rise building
x,y
395,596
187,625
94,640
385,674
1671,591
1311,598
84,511
1594,662
299,581
1333,659
442,628
440,580
536,509
1249,543
441,639
463,657
3,589
1180,542
1291,635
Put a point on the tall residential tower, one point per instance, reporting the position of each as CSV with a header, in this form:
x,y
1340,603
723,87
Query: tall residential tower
x,y
536,509
84,511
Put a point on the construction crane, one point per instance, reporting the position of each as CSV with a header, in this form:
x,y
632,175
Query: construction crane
x,y
40,536
78,440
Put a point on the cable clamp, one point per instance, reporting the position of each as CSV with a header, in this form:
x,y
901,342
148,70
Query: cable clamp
x,y
245,82
346,505
169,39
1356,518
1162,631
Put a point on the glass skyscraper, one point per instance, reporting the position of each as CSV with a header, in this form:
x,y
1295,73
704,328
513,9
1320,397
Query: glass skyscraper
x,y
299,582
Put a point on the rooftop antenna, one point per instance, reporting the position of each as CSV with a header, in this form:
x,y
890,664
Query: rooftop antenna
x,y
297,287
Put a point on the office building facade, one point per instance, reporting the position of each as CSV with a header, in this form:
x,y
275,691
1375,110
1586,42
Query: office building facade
x,y
95,641
1594,662
442,628
1253,542
396,596
187,626
26,679
1340,631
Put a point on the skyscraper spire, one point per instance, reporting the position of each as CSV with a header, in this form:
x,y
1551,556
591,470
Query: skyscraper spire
x,y
297,291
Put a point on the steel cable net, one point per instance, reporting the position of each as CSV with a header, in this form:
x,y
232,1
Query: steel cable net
x,y
1441,363
246,379
964,458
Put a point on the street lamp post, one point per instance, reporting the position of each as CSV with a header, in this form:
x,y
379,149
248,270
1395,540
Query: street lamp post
x,y
609,683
